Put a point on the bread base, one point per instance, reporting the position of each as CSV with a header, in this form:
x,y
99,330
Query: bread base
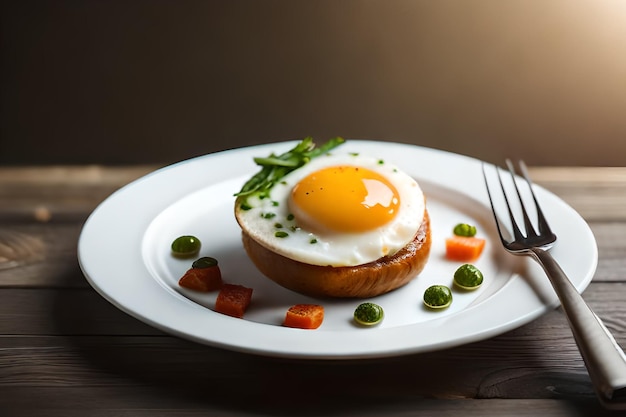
x,y
361,281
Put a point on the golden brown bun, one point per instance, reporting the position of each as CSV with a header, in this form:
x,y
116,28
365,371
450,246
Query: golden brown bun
x,y
361,281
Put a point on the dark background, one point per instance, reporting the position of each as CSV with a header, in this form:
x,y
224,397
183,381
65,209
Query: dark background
x,y
156,81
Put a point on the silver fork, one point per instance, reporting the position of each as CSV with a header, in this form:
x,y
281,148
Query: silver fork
x,y
603,357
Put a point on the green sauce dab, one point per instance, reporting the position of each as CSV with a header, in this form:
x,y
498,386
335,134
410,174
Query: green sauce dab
x,y
186,246
368,314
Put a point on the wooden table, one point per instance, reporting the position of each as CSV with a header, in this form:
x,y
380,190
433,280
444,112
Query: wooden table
x,y
65,351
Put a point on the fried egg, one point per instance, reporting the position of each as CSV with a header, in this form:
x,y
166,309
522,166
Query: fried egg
x,y
337,210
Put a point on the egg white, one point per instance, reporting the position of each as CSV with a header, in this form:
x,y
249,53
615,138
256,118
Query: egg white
x,y
333,248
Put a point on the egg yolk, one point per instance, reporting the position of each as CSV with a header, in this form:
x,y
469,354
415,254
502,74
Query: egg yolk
x,y
344,199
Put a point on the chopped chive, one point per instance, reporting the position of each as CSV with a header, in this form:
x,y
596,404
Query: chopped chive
x,y
281,234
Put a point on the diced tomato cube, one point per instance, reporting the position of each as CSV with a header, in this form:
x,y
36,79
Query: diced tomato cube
x,y
304,316
233,300
202,279
464,248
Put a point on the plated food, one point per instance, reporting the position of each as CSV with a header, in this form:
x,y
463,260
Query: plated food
x,y
331,224
136,225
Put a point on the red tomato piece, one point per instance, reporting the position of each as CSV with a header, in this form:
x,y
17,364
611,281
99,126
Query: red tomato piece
x,y
464,248
233,300
304,316
202,279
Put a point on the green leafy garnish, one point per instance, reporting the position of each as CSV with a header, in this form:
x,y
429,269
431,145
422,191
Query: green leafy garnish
x,y
275,167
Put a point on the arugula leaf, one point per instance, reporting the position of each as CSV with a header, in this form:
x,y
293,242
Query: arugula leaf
x,y
275,167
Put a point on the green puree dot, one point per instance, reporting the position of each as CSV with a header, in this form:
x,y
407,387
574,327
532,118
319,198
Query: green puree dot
x,y
186,246
468,277
204,262
368,314
464,229
438,296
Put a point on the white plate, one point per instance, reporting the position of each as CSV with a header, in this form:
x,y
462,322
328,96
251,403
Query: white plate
x,y
124,252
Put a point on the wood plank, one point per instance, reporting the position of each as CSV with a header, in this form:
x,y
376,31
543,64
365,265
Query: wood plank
x,y
611,241
61,193
48,255
597,193
504,367
149,402
116,176
67,175
64,311
88,342
161,373
84,312
40,255
45,254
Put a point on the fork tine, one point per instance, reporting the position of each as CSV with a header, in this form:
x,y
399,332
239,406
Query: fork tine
x,y
530,229
493,208
544,228
517,234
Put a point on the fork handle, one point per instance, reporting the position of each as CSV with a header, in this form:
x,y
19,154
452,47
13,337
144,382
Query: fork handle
x,y
604,358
